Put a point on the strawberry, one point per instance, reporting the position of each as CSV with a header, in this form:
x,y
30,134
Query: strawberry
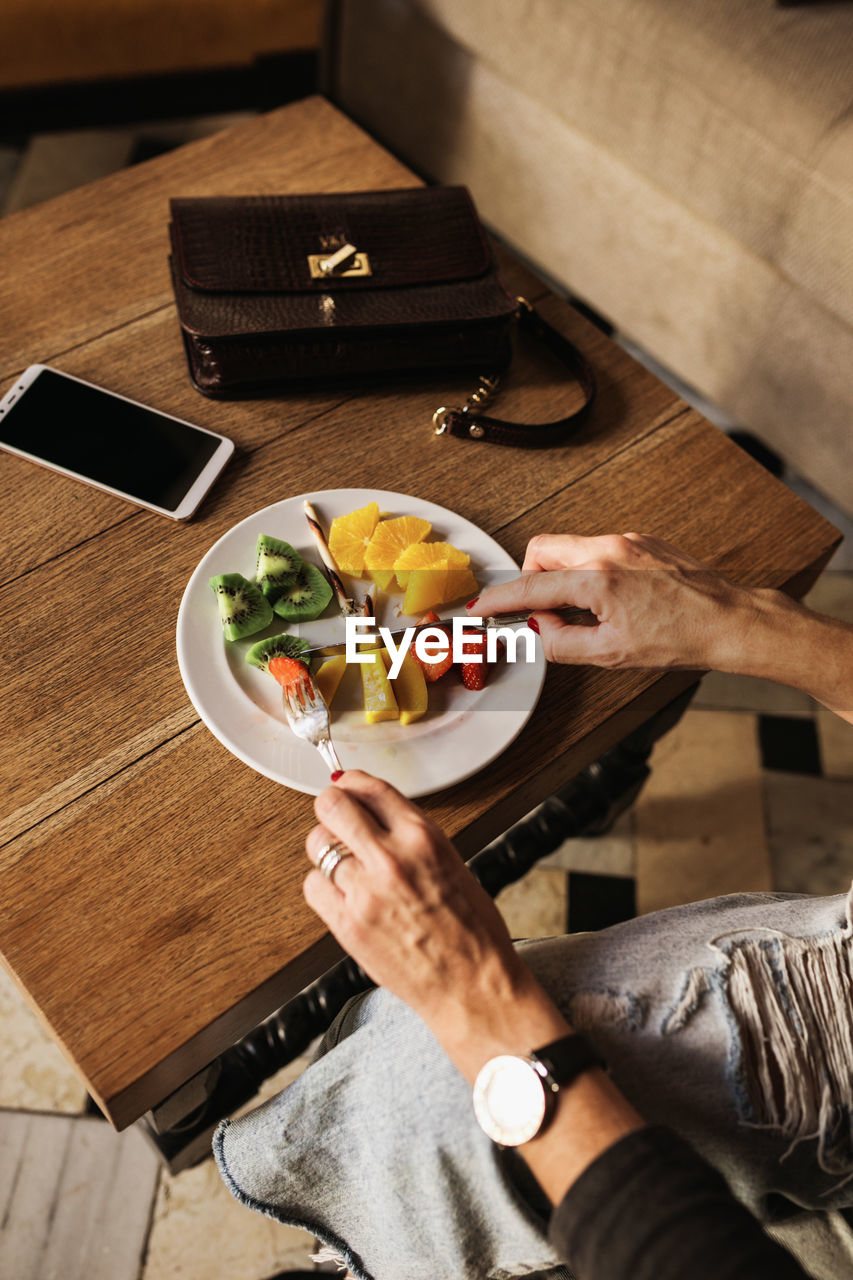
x,y
435,669
473,673
287,671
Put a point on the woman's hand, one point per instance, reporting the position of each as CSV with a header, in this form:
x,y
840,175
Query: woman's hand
x,y
656,607
406,907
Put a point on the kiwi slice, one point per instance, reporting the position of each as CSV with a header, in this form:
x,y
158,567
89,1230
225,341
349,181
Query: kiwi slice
x,y
277,565
305,598
281,646
243,609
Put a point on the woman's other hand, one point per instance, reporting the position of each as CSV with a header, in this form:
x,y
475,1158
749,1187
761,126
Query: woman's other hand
x,y
655,606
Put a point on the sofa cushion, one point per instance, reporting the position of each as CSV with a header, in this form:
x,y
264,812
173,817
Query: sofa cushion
x,y
740,108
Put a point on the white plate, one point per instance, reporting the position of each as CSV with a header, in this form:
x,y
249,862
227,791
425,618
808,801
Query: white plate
x,y
460,734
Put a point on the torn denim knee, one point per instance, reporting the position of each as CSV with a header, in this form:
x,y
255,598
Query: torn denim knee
x,y
696,985
789,1002
740,1036
376,1150
791,999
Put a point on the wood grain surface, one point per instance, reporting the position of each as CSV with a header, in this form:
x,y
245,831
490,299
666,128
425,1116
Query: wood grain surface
x,y
151,882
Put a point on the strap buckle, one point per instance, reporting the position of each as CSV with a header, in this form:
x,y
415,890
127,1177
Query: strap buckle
x,y
486,389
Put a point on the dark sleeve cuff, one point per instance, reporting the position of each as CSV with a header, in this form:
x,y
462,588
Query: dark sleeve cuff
x,y
650,1208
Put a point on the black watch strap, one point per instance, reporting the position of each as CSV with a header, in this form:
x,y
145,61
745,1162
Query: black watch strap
x,y
568,1057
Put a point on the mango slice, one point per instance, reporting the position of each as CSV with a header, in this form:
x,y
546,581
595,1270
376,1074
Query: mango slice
x,y
379,700
329,677
409,688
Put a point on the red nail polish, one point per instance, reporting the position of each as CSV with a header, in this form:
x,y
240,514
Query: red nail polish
x,y
471,603
339,773
533,625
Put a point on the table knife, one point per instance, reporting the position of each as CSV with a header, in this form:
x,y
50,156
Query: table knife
x,y
575,617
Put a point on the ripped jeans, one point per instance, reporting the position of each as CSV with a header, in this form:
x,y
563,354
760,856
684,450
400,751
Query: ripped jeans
x,y
730,1020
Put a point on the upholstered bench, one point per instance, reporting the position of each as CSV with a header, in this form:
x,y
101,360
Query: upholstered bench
x,y
84,64
78,40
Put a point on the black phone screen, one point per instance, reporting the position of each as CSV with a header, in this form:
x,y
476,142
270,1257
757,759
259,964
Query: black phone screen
x,y
112,441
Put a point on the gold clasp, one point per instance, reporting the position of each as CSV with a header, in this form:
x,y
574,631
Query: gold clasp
x,y
346,261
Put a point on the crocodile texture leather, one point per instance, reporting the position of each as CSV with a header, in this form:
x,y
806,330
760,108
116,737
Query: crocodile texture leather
x,y
251,312
261,244
252,315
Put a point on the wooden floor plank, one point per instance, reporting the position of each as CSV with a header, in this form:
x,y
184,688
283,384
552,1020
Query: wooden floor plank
x,y
75,1198
699,821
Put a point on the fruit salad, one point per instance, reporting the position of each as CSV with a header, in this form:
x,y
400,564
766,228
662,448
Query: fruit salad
x,y
395,555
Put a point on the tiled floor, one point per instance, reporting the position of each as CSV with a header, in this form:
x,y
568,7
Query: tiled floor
x,y
754,789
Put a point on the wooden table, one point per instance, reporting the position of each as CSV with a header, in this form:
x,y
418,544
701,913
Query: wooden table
x,y
151,883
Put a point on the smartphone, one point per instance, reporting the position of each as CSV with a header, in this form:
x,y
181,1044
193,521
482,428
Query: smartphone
x,y
106,440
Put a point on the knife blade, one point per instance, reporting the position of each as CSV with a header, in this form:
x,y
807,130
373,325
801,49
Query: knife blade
x,y
574,617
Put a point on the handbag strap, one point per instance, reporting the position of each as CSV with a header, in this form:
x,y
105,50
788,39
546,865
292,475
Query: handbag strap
x,y
466,421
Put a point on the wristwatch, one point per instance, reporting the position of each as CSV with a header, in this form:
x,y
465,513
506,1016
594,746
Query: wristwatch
x,y
514,1097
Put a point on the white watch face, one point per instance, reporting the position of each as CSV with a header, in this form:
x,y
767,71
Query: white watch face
x,y
509,1100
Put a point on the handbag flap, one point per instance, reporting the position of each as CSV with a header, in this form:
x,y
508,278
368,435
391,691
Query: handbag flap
x,y
265,244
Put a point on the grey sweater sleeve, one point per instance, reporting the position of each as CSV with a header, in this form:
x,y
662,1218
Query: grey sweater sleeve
x,y
649,1208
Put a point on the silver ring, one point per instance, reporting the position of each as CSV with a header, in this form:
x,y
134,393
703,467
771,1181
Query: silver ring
x,y
331,856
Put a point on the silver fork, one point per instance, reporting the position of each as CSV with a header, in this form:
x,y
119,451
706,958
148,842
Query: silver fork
x,y
308,717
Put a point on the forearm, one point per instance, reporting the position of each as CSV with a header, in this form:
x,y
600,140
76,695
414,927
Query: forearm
x,y
775,638
659,609
591,1114
651,1209
630,1201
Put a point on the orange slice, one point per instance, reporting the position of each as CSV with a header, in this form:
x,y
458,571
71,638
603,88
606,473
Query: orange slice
x,y
349,536
425,588
460,584
390,539
426,555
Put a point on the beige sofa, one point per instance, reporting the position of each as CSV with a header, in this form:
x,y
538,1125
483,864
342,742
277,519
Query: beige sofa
x,y
685,168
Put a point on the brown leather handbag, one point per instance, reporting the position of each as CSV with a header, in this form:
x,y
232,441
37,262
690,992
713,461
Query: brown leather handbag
x,y
275,289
